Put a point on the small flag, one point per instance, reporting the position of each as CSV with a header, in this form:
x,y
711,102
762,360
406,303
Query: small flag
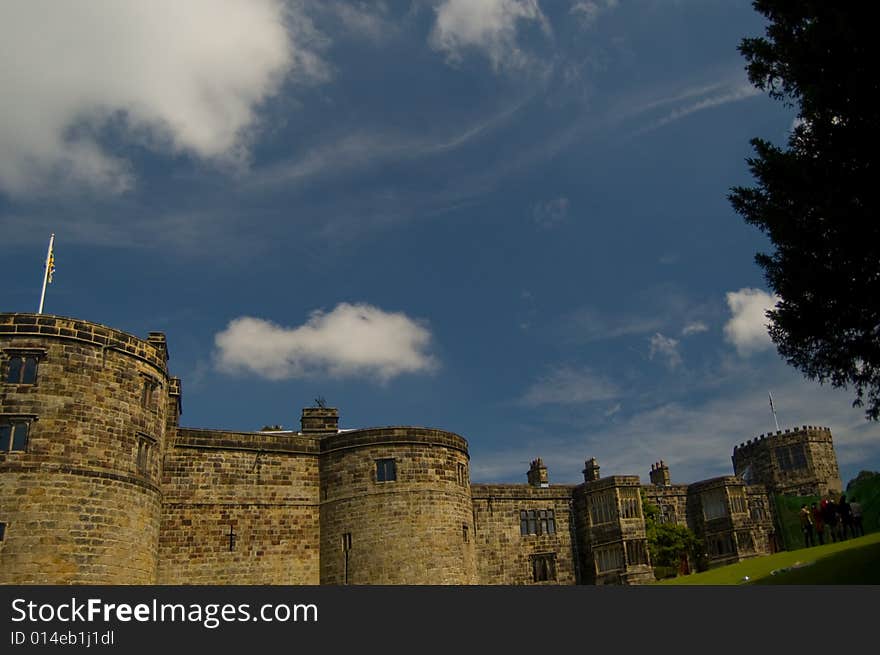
x,y
51,267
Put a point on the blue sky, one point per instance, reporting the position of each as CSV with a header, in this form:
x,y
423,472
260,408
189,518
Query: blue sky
x,y
504,218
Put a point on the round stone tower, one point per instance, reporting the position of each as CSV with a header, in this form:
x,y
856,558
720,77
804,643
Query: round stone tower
x,y
396,507
84,413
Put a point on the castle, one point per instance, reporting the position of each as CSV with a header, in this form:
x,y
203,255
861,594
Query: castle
x,y
99,484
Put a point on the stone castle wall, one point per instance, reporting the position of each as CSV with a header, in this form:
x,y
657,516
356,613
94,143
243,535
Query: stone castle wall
x,y
799,461
110,490
504,554
77,505
262,487
415,529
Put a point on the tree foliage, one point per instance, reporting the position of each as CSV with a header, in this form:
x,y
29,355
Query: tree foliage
x,y
668,543
817,199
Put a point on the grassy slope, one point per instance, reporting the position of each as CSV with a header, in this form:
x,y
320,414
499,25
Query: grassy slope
x,y
855,561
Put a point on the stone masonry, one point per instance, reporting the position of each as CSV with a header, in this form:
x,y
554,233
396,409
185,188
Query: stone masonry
x,y
99,484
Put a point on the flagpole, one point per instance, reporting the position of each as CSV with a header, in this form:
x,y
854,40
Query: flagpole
x,y
46,273
773,409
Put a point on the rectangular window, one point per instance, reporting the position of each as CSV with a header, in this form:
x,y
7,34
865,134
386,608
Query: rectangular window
x,y
543,567
714,504
386,470
462,474
147,392
609,558
791,458
145,454
534,521
2,531
737,502
636,552
346,542
13,435
464,532
603,508
757,510
22,369
630,502
745,542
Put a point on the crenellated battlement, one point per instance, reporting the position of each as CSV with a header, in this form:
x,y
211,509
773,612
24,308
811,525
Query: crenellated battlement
x,y
810,430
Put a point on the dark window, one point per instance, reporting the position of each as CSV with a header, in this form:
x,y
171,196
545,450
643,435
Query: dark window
x,y
464,532
791,458
537,522
462,474
548,522
543,567
13,435
636,552
22,369
2,531
757,510
145,454
147,392
346,542
386,470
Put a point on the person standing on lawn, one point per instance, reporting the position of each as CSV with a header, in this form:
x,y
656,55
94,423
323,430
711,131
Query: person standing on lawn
x,y
856,509
807,526
818,523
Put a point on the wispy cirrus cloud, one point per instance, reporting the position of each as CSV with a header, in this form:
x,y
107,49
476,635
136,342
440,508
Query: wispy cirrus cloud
x,y
716,97
665,348
565,385
695,327
695,437
487,26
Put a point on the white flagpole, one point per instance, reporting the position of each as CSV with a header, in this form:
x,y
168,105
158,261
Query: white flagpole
x,y
773,409
46,272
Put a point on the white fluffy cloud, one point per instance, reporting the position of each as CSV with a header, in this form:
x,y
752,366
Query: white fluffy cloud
x,y
185,77
747,328
487,25
351,340
568,386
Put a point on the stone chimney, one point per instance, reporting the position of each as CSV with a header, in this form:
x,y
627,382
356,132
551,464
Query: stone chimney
x,y
660,474
320,420
537,474
591,470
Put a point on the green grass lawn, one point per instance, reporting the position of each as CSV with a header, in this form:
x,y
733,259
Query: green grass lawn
x,y
854,561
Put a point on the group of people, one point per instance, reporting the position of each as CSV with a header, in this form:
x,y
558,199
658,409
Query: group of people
x,y
838,520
